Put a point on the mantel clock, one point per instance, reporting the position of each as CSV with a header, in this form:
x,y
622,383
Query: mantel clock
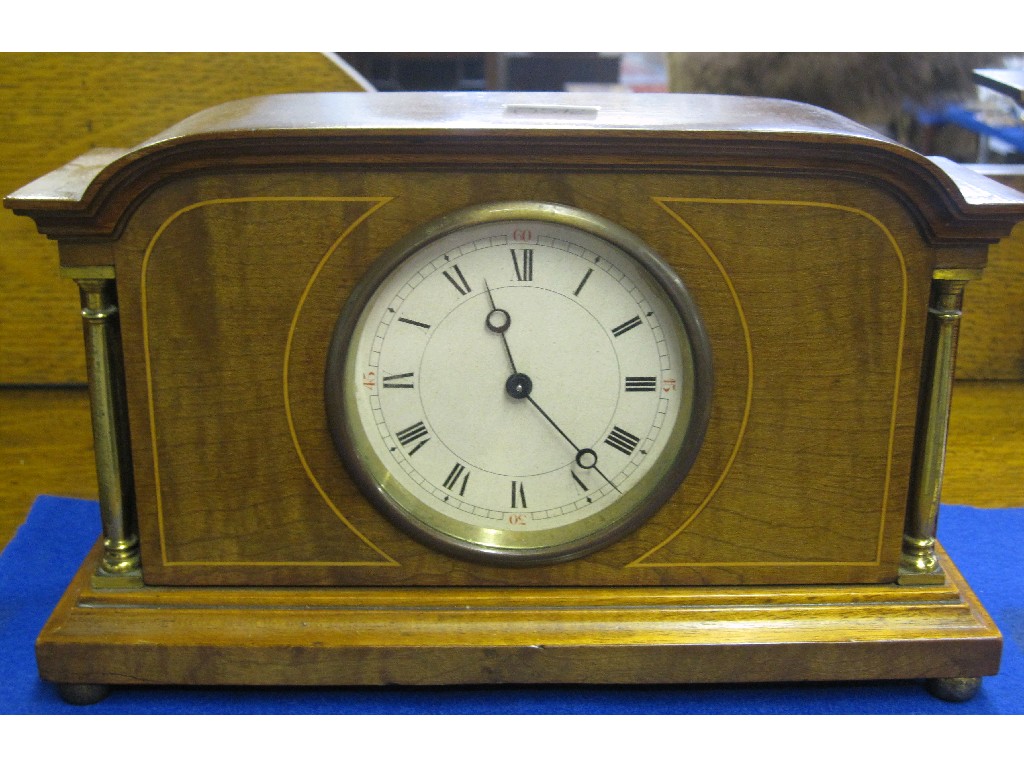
x,y
528,388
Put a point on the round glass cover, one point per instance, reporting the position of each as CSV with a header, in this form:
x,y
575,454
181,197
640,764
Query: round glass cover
x,y
519,383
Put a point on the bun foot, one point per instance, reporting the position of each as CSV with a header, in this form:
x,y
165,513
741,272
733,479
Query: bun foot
x,y
82,694
954,688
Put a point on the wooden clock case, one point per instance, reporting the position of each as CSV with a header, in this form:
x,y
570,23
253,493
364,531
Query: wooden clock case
x,y
828,264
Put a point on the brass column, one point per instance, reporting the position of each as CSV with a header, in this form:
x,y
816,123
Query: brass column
x,y
919,563
109,422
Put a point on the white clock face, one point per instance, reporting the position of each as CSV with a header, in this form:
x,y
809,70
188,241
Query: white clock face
x,y
519,383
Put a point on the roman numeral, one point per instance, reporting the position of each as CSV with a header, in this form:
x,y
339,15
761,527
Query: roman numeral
x,y
583,282
459,281
417,323
518,494
621,440
526,272
637,383
398,381
629,325
453,479
411,435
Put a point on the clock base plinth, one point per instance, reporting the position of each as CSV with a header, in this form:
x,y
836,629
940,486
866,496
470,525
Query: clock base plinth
x,y
432,636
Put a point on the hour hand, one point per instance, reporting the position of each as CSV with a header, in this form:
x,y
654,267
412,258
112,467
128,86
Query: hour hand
x,y
498,321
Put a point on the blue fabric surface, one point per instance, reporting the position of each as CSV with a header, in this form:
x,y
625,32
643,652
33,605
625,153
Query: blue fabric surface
x,y
37,565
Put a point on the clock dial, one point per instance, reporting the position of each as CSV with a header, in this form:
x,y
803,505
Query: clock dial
x,y
519,383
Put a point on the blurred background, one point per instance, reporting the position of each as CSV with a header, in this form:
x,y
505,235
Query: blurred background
x,y
928,101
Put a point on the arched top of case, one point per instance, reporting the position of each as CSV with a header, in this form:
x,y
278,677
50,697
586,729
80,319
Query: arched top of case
x,y
570,132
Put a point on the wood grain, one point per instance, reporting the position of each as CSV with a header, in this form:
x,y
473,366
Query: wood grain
x,y
46,448
458,636
485,133
992,335
64,104
212,350
985,454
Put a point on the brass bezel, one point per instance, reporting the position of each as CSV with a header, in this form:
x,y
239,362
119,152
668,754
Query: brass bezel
x,y
493,546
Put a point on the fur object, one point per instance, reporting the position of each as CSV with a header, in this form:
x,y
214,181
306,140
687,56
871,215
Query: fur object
x,y
873,89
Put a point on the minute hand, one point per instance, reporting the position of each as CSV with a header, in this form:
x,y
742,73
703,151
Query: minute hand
x,y
586,458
